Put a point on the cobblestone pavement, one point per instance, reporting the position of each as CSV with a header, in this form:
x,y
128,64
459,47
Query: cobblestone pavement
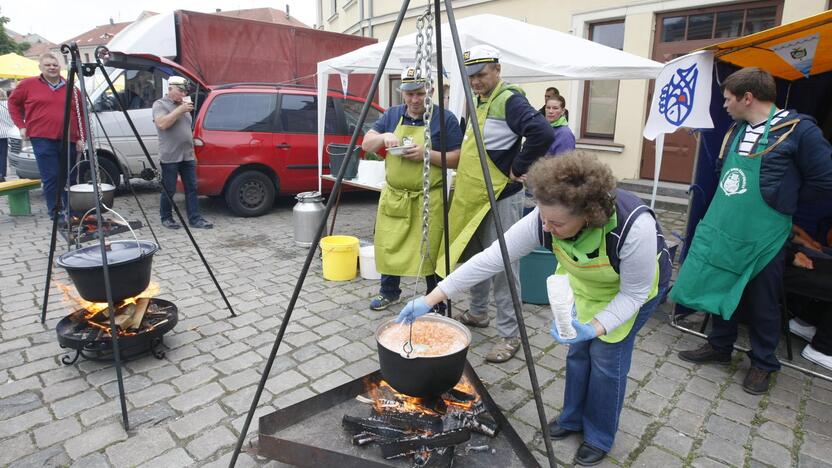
x,y
188,408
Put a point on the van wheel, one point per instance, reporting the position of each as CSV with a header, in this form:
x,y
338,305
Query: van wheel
x,y
108,172
250,193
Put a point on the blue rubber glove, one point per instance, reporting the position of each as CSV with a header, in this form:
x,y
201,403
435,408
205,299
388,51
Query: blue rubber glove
x,y
586,332
413,309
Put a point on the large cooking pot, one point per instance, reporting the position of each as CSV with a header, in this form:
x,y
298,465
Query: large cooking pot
x,y
129,263
423,377
82,196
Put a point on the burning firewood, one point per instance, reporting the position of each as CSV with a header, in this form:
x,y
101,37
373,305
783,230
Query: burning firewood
x,y
408,445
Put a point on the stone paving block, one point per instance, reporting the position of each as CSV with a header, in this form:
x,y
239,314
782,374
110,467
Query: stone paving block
x,y
735,393
243,461
24,422
151,394
58,375
734,411
94,439
819,410
331,381
673,371
662,386
622,447
147,444
132,384
776,432
673,441
703,388
704,462
162,374
58,431
11,345
719,448
108,410
652,457
817,426
649,402
18,404
302,338
175,458
197,397
333,342
238,363
320,366
727,429
508,396
34,353
49,457
780,414
362,367
241,379
241,333
784,397
17,386
304,353
633,422
64,389
212,343
685,421
14,448
692,402
194,379
206,445
770,453
150,416
196,362
240,401
289,399
21,372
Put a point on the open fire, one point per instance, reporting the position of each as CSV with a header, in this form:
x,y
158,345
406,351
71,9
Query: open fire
x,y
141,321
429,430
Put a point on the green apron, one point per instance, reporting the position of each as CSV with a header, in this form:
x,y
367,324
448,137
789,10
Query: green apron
x,y
398,233
594,281
470,201
739,235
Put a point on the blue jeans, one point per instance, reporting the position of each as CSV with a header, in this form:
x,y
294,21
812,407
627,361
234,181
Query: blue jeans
x,y
4,155
48,157
186,170
390,285
596,380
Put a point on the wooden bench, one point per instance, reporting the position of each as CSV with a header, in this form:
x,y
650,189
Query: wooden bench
x,y
18,193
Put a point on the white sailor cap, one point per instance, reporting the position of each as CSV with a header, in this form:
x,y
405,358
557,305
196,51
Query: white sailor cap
x,y
478,57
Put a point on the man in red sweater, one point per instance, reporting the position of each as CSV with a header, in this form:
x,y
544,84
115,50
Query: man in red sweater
x,y
37,109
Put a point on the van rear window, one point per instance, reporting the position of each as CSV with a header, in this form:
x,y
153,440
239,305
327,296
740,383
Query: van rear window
x,y
242,112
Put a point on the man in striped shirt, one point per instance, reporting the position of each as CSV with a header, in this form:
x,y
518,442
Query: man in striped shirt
x,y
773,159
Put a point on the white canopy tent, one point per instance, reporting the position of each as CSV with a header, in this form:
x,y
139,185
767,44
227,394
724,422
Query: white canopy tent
x,y
529,54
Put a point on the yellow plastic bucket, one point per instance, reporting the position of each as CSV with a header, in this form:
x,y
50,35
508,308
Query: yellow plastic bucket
x,y
340,257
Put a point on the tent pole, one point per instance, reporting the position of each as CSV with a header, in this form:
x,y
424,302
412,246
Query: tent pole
x,y
498,225
321,226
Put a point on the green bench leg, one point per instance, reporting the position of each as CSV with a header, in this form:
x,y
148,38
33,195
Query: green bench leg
x,y
19,203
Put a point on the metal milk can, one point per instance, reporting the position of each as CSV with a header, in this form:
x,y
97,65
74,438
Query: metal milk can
x,y
306,216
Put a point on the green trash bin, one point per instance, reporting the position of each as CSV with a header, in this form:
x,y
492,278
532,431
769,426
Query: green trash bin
x,y
534,269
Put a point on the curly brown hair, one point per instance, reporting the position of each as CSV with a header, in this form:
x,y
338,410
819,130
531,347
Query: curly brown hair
x,y
576,180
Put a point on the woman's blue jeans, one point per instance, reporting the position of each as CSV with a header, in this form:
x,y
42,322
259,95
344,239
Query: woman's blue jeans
x,y
596,382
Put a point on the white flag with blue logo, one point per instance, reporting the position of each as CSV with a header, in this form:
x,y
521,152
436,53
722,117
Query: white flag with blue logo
x,y
682,96
799,53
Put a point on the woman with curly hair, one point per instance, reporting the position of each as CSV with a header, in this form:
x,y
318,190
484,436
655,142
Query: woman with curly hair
x,y
609,244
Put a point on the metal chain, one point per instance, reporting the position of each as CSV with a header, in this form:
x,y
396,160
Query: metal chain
x,y
83,137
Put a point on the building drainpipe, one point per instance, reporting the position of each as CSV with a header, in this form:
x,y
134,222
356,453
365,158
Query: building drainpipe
x,y
370,20
361,16
320,14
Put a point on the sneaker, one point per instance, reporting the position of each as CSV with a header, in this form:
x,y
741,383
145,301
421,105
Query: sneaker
x,y
811,354
170,224
756,381
380,302
504,350
479,321
802,329
202,223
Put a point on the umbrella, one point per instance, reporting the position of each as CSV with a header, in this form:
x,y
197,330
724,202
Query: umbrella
x,y
16,66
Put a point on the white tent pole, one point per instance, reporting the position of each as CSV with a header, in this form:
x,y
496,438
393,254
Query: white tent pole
x,y
323,81
658,167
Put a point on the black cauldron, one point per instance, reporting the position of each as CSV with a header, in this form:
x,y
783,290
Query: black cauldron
x,y
422,377
129,263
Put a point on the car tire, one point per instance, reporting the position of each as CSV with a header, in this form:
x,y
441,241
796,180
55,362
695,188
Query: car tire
x,y
110,173
250,193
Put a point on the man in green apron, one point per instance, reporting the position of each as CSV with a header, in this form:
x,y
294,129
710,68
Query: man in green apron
x,y
505,117
770,159
398,230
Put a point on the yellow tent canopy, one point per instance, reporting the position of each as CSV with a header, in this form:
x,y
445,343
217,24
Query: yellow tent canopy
x,y
754,50
16,66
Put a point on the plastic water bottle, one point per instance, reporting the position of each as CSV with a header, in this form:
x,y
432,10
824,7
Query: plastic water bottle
x,y
562,302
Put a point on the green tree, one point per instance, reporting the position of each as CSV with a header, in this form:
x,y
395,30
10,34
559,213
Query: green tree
x,y
6,43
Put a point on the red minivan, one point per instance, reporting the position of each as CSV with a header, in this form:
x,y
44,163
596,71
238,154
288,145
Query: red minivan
x,y
254,141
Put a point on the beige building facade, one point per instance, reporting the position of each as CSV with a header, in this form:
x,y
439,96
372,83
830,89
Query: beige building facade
x,y
607,117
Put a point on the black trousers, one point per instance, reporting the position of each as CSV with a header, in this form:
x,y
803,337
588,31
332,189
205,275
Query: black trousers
x,y
809,293
759,307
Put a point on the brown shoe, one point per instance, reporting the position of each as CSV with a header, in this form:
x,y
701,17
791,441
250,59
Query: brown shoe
x,y
504,350
478,321
705,353
756,381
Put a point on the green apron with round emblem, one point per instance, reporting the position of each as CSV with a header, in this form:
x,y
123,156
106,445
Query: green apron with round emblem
x,y
470,201
398,233
739,235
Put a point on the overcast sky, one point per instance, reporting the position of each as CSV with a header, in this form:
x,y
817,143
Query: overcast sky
x,y
58,21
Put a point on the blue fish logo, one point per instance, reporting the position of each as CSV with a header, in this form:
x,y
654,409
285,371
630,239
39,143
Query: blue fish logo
x,y
676,98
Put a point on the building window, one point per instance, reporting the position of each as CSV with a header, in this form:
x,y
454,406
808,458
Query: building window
x,y
395,94
717,23
601,96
